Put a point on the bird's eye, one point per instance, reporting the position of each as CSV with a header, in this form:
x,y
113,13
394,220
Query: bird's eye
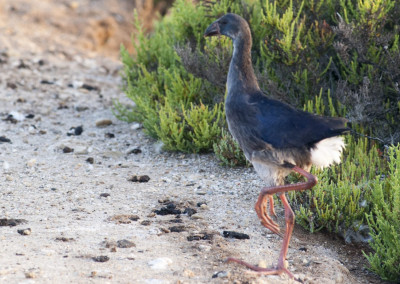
x,y
223,22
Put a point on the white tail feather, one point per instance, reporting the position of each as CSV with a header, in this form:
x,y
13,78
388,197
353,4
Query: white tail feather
x,y
327,151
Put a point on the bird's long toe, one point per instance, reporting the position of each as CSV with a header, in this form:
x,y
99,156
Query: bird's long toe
x,y
261,270
261,208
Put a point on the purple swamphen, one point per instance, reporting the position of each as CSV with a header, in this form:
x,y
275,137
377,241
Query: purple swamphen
x,y
276,138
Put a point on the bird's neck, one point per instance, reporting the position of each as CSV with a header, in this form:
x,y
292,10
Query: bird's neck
x,y
241,77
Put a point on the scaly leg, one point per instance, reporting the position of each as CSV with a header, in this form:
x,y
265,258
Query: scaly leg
x,y
261,204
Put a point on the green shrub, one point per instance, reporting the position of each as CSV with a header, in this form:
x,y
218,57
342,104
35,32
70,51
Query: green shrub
x,y
228,151
384,220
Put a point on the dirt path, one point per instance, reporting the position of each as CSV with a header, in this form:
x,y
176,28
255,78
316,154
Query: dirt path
x,y
89,220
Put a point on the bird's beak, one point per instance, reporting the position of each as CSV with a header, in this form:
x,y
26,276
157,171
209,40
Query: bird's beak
x,y
212,30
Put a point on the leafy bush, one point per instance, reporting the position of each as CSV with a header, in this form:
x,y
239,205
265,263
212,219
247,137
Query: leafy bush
x,y
228,151
384,220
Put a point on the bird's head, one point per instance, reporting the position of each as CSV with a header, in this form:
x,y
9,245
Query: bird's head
x,y
230,25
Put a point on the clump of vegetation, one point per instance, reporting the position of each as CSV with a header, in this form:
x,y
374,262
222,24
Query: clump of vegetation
x,y
384,221
333,57
228,151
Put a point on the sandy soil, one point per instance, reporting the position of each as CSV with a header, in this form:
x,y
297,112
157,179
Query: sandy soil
x,y
89,220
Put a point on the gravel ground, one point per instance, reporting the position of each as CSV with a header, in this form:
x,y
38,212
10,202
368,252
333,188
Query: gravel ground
x,y
86,198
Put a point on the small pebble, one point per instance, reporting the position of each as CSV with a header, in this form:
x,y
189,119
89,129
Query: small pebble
x,y
4,139
25,232
109,135
136,125
101,258
90,160
204,206
81,150
262,263
30,275
160,263
135,151
31,163
144,178
75,131
81,108
235,235
188,273
103,122
64,239
125,244
189,211
6,165
104,195
221,274
286,264
204,248
177,229
11,222
90,87
145,222
67,149
196,217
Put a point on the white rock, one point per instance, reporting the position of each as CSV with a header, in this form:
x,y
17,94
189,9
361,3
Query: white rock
x,y
17,115
135,126
204,248
81,150
6,165
160,263
31,162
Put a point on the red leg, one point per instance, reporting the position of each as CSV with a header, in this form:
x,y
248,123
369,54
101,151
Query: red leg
x,y
261,204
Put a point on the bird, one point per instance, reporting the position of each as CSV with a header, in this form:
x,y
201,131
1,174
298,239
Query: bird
x,y
275,137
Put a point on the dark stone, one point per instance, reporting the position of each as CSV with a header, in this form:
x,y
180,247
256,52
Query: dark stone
x,y
75,131
11,222
177,229
4,140
46,82
144,178
135,151
64,239
67,149
11,85
101,258
25,232
189,211
235,235
199,237
170,209
125,244
90,87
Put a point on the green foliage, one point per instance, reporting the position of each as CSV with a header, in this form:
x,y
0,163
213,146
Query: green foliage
x,y
384,220
228,151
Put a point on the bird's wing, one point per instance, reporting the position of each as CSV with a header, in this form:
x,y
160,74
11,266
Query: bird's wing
x,y
284,127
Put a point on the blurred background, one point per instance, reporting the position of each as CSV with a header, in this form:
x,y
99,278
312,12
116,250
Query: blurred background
x,y
99,26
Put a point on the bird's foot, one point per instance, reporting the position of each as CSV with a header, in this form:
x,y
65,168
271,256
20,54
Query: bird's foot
x,y
263,271
262,212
